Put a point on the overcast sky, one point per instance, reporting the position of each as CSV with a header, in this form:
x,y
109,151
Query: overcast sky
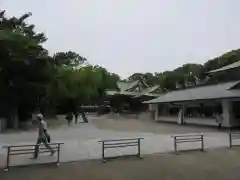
x,y
127,36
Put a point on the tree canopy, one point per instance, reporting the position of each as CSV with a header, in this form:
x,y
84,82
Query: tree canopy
x,y
30,77
193,74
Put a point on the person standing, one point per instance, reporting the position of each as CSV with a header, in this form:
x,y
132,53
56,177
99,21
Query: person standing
x,y
219,120
43,136
85,120
76,114
69,118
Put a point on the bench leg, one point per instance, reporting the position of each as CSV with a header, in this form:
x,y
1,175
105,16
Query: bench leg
x,y
175,145
139,149
202,143
7,162
58,155
230,140
103,155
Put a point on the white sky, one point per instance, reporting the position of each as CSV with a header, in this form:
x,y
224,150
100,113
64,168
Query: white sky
x,y
127,36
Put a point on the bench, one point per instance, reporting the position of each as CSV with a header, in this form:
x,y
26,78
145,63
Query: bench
x,y
29,149
116,143
233,136
188,138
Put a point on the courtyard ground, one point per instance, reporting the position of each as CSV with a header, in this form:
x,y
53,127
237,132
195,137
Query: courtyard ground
x,y
221,164
81,143
148,126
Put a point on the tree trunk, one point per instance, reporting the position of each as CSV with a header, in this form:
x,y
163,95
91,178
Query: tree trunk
x,y
14,118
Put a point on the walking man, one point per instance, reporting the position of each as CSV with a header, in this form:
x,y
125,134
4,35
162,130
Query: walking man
x,y
43,136
76,114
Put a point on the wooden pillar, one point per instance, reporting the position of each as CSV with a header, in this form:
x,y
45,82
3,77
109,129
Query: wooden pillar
x,y
227,113
154,108
181,114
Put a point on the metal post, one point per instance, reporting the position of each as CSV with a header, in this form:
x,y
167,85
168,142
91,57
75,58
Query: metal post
x,y
139,148
230,140
175,144
58,155
103,158
7,163
202,145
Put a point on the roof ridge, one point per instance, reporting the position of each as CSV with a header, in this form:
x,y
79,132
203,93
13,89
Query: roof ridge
x,y
226,67
207,84
236,83
213,91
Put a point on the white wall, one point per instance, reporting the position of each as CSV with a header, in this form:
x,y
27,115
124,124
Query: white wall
x,y
200,121
168,118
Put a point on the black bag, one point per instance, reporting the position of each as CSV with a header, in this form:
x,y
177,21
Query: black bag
x,y
69,117
48,138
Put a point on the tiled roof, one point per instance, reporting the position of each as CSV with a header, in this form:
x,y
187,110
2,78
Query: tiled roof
x,y
149,92
217,91
123,86
126,88
230,66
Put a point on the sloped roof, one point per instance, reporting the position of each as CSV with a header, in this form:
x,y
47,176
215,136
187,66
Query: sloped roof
x,y
124,86
217,91
111,92
130,93
127,88
230,66
149,92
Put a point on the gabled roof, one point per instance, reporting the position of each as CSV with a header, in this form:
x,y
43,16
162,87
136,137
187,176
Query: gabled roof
x,y
150,91
230,66
128,88
124,86
129,93
217,91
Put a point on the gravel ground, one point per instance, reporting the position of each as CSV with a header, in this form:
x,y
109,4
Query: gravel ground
x,y
222,164
139,125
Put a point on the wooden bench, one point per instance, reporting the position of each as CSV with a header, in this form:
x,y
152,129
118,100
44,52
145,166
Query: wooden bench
x,y
29,149
116,143
188,138
233,136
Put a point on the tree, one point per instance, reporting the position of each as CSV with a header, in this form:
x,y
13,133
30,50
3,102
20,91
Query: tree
x,y
25,66
223,60
149,78
69,59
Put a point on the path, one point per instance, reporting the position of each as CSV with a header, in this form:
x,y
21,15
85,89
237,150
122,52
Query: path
x,y
81,142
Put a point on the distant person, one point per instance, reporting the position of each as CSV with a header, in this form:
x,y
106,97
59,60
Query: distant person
x,y
76,114
85,120
219,120
69,118
43,136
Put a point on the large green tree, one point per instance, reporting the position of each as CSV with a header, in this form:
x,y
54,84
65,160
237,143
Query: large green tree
x,y
25,66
